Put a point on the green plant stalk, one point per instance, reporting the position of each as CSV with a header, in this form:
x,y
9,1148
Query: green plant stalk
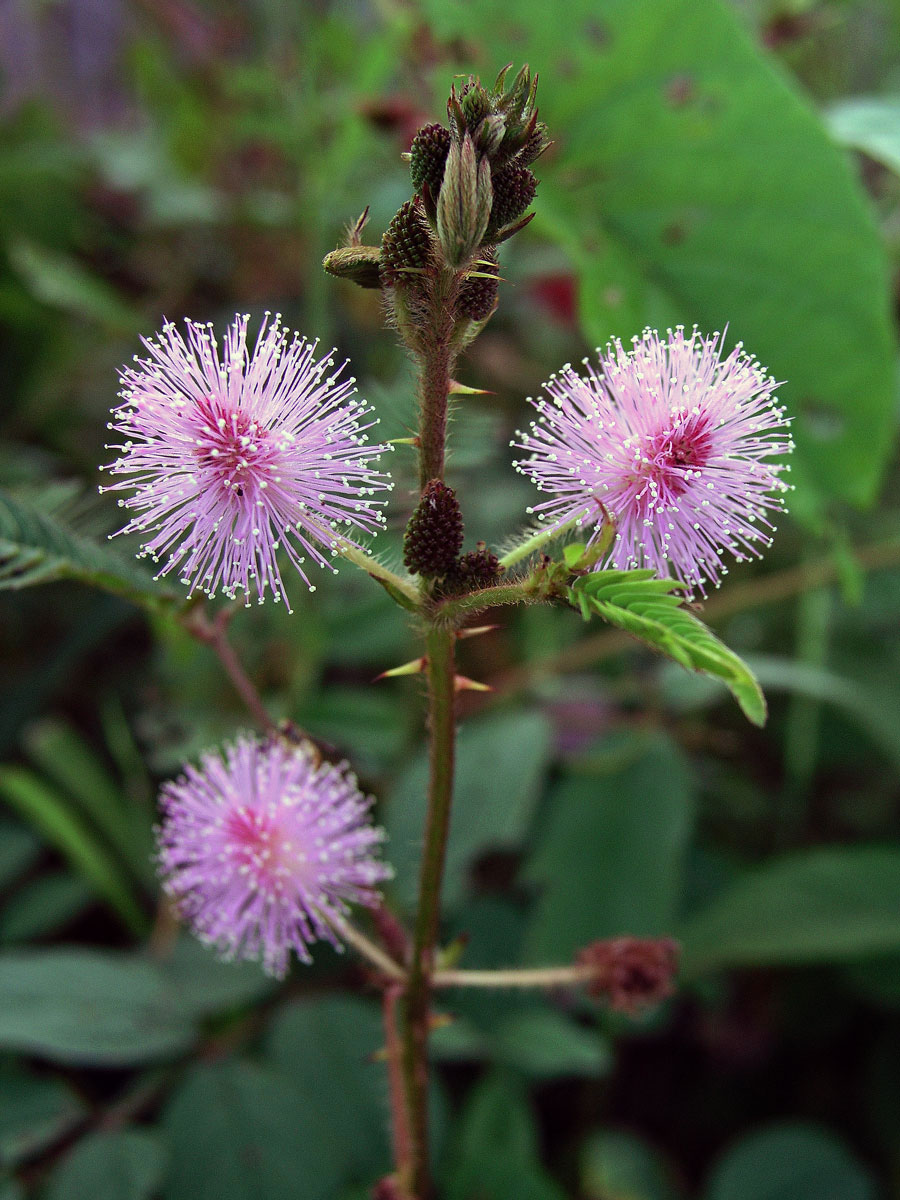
x,y
442,737
436,358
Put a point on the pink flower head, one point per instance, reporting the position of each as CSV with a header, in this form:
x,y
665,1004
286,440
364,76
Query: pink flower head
x,y
670,441
262,850
234,453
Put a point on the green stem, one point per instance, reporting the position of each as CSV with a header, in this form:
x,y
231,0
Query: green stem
x,y
441,723
394,583
494,597
436,358
539,539
533,977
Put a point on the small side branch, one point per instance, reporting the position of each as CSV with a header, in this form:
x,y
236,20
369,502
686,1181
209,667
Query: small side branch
x,y
214,633
536,977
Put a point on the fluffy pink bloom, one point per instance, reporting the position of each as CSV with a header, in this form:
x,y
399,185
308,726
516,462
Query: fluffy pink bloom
x,y
232,454
263,849
673,441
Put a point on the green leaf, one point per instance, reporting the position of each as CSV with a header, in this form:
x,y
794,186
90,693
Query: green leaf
x,y
790,1162
856,701
495,1156
644,606
38,548
870,124
66,758
52,814
823,905
120,1164
619,1166
548,1045
693,181
611,859
19,848
43,905
238,1131
62,282
34,1112
501,761
82,1006
326,1047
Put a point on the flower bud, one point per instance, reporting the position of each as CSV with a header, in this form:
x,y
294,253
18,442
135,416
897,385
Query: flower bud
x,y
360,264
406,245
473,571
478,295
464,203
427,158
434,535
514,189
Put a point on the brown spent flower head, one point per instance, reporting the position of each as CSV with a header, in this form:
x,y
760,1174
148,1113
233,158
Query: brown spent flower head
x,y
631,974
478,296
406,244
434,535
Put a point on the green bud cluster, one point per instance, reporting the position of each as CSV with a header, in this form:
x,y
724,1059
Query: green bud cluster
x,y
406,244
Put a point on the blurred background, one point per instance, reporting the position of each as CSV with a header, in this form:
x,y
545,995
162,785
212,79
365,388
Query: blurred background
x,y
713,162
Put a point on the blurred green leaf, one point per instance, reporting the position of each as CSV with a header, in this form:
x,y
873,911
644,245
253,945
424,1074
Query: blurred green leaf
x,y
19,848
52,815
34,1111
120,1164
619,1166
38,548
62,282
501,761
646,607
790,1162
107,1008
611,858
64,756
822,905
238,1131
325,1047
548,1045
43,906
868,123
495,1155
876,717
83,1006
692,181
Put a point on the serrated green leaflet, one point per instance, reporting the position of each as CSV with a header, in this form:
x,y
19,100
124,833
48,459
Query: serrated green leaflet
x,y
646,607
38,548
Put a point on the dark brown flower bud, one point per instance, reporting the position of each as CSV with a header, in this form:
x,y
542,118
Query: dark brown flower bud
x,y
472,572
406,244
630,973
428,156
514,190
434,535
478,295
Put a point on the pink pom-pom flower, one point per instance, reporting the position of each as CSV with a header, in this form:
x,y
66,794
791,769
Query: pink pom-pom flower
x,y
264,848
672,442
232,453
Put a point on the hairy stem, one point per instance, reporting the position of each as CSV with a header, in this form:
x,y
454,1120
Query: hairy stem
x,y
436,361
403,1155
407,593
442,734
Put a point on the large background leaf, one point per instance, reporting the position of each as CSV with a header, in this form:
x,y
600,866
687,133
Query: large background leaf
x,y
691,181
